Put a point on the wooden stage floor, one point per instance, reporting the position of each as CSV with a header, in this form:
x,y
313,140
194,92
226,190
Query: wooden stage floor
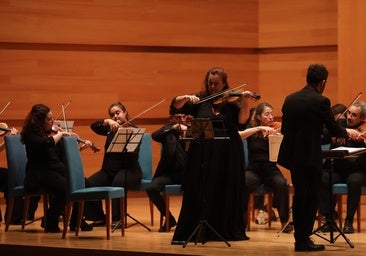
x,y
139,241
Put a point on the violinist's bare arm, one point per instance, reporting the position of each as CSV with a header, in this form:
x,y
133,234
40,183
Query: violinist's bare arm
x,y
179,101
266,130
244,107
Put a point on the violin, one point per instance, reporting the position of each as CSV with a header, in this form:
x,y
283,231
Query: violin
x,y
234,97
92,146
4,129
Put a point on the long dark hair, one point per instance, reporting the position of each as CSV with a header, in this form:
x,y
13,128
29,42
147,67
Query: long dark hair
x,y
35,120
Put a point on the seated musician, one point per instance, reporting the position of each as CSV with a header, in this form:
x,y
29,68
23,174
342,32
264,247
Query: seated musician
x,y
351,171
260,169
114,166
171,166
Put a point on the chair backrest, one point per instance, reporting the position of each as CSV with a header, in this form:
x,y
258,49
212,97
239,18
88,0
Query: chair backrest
x,y
246,157
73,164
145,157
16,158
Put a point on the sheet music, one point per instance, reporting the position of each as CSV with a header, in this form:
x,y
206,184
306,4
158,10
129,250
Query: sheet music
x,y
350,150
126,140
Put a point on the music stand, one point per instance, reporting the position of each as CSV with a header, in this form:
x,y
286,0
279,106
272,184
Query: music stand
x,y
202,129
337,153
126,140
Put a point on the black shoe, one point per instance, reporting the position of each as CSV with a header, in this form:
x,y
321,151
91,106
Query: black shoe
x,y
289,227
327,228
83,226
174,242
99,223
273,215
172,223
51,229
348,227
308,246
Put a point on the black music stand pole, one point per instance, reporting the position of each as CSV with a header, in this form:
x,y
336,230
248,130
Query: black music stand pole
x,y
204,131
127,140
330,222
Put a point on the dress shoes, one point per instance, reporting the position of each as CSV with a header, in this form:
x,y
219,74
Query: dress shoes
x,y
172,223
308,246
326,228
99,223
83,226
287,228
348,227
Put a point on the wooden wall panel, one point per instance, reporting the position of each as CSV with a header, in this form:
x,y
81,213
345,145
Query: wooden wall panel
x,y
94,80
211,23
285,72
288,23
351,48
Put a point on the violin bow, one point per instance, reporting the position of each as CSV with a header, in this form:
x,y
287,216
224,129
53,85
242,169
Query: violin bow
x,y
6,106
221,93
62,111
64,116
143,112
356,99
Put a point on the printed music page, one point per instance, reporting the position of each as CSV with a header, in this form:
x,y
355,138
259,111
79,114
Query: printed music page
x,y
350,150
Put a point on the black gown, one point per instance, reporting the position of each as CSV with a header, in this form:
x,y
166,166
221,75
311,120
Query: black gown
x,y
214,182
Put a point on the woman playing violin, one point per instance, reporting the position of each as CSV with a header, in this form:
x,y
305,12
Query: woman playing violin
x,y
116,166
219,164
45,168
260,169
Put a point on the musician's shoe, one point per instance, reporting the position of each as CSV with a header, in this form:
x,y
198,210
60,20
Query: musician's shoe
x,y
348,227
83,226
289,227
327,228
99,223
172,223
308,246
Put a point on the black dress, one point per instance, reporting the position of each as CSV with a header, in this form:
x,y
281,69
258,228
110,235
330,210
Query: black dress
x,y
214,182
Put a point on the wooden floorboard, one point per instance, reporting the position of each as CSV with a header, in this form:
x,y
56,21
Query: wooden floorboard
x,y
138,241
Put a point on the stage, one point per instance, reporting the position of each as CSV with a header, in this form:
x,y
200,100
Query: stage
x,y
140,242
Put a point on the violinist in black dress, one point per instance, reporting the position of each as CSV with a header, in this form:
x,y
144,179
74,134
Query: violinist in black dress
x,y
214,181
115,165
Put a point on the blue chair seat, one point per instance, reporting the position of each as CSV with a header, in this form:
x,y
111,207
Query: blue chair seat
x,y
97,193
